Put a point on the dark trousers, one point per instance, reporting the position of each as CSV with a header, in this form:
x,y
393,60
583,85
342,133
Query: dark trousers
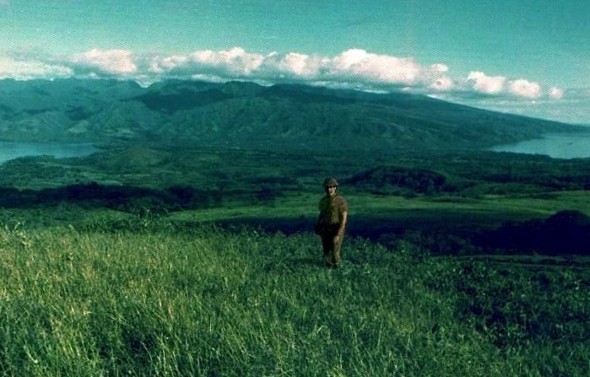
x,y
331,249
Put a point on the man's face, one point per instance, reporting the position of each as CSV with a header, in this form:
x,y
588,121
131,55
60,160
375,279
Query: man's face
x,y
331,190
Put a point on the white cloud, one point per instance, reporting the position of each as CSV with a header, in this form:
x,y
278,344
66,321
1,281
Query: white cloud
x,y
438,78
117,62
442,68
30,69
525,88
381,69
236,61
159,65
501,86
353,68
295,64
442,84
555,93
483,83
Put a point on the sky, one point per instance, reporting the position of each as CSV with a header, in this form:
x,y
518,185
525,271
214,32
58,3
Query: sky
x,y
529,57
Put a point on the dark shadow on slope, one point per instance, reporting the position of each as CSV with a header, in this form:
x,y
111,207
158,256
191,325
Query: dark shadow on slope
x,y
182,99
123,198
448,233
565,232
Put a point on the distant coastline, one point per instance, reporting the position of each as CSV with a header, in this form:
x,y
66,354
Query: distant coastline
x,y
10,150
566,146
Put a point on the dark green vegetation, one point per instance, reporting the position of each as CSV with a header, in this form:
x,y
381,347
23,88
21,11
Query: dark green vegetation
x,y
184,247
461,203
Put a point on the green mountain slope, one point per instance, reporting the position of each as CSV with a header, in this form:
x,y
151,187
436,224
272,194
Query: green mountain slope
x,y
247,115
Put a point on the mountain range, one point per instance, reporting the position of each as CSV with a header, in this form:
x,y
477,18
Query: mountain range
x,y
248,115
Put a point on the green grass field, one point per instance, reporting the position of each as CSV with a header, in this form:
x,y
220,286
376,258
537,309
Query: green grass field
x,y
147,297
297,205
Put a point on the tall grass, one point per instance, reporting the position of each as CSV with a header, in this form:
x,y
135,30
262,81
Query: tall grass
x,y
164,301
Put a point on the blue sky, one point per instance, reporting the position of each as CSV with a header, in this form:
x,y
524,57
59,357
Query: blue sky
x,y
527,57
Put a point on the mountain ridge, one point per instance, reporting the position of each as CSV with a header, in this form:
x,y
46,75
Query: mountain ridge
x,y
248,115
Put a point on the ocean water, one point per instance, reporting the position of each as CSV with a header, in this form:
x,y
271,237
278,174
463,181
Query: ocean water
x,y
565,146
10,150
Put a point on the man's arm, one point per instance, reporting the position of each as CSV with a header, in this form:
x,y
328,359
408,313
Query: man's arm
x,y
342,227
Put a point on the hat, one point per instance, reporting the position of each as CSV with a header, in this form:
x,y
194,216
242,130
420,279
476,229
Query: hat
x,y
330,182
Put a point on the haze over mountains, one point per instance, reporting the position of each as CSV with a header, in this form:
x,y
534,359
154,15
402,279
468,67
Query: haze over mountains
x,y
247,115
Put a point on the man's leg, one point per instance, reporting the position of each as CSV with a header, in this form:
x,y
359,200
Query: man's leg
x,y
336,252
328,248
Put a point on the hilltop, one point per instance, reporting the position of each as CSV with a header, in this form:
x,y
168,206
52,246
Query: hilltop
x,y
247,115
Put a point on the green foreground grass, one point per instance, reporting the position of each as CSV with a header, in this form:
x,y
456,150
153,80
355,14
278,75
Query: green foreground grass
x,y
160,301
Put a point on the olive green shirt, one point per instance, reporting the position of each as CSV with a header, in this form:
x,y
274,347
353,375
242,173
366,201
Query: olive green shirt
x,y
331,209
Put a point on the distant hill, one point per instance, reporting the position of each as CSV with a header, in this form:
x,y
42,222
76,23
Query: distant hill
x,y
247,115
392,179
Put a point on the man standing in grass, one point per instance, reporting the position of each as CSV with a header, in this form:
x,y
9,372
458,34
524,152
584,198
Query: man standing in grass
x,y
331,222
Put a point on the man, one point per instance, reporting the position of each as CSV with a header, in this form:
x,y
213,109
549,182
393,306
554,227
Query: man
x,y
331,222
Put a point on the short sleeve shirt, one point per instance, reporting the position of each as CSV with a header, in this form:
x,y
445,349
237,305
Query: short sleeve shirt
x,y
331,209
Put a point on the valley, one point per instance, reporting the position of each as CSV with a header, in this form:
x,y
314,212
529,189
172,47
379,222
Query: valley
x,y
453,199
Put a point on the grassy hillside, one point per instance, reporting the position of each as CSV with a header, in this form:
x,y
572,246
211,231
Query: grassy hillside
x,y
144,297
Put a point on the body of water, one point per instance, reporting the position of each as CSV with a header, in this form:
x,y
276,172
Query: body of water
x,y
10,150
554,145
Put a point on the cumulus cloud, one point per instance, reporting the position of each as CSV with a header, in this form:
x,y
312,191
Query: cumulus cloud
x,y
525,88
379,69
116,62
443,84
233,64
480,82
236,61
483,83
353,68
295,65
31,69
